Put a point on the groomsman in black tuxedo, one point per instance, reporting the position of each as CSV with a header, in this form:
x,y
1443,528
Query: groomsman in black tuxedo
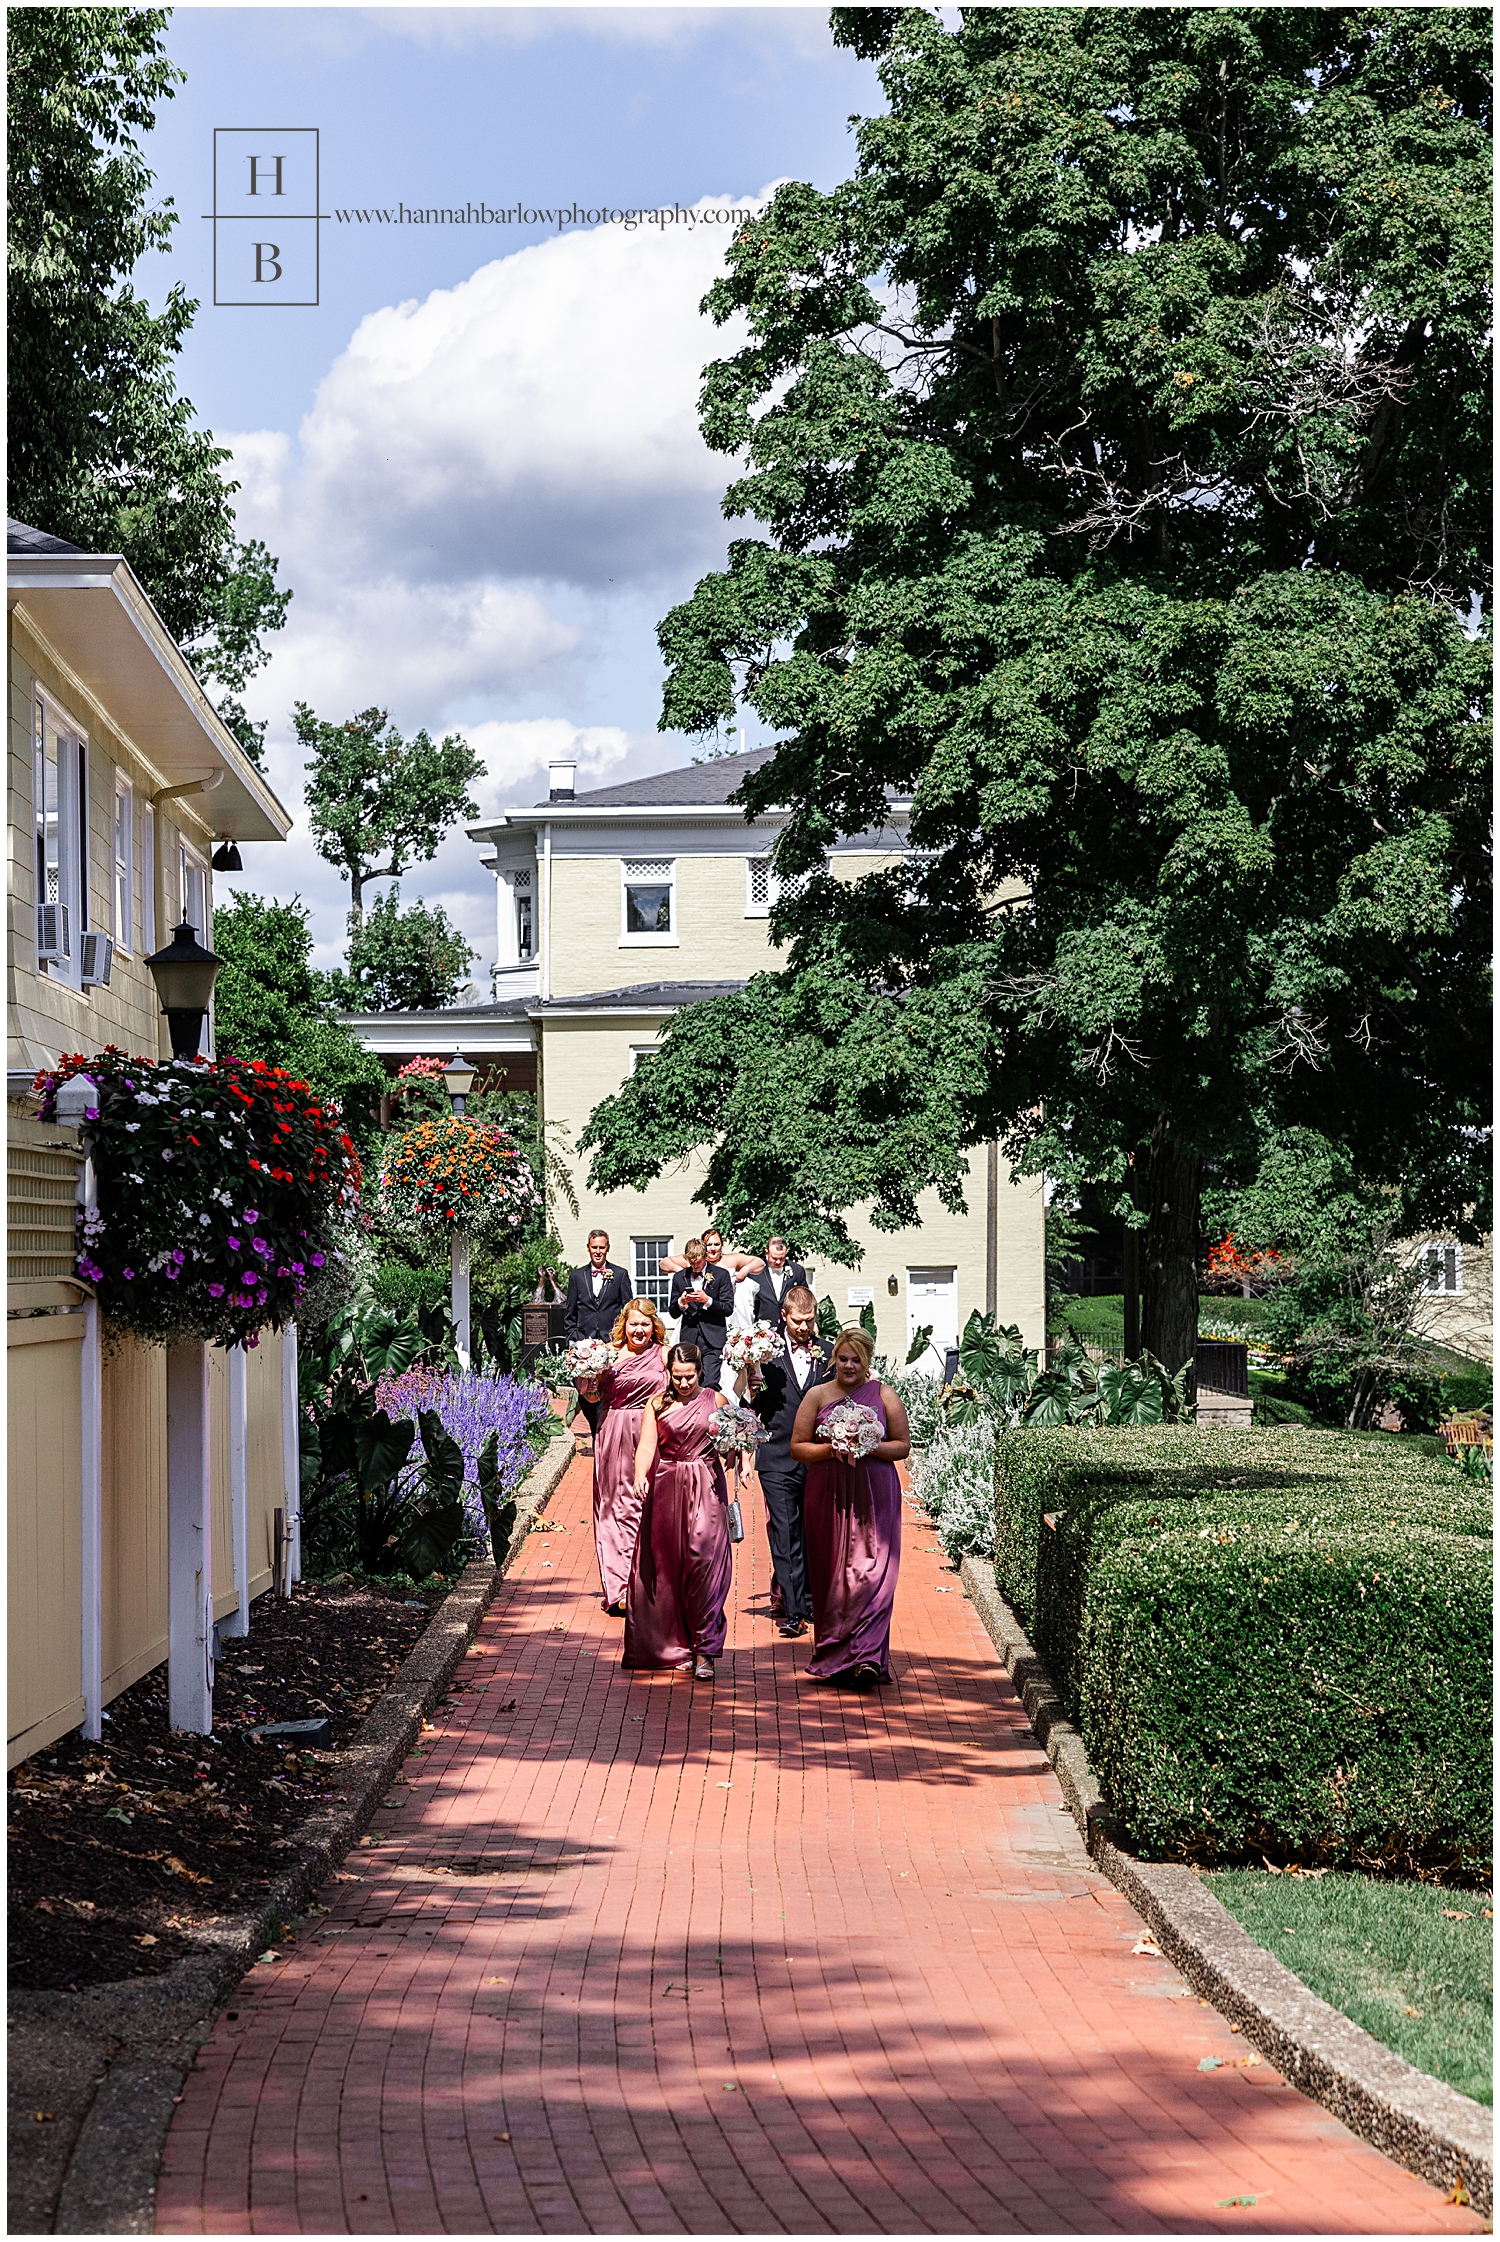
x,y
779,1277
596,1294
776,1398
703,1297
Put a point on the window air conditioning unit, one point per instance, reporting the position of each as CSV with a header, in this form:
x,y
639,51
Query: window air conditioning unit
x,y
53,946
98,957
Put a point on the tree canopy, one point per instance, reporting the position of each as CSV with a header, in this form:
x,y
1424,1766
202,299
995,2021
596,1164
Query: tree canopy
x,y
411,960
102,449
1120,436
371,793
270,1004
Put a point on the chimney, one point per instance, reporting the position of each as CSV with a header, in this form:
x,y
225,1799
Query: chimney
x,y
560,777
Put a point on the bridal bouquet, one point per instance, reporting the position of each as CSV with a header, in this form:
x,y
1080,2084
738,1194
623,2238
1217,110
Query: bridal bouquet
x,y
748,1350
852,1429
733,1429
587,1357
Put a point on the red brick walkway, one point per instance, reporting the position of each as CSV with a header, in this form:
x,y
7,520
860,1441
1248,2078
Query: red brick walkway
x,y
638,1955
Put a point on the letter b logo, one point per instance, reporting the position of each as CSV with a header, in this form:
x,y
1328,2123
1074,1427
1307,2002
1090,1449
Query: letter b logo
x,y
267,261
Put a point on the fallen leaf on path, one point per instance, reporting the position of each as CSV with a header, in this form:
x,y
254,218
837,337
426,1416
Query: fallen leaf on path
x,y
723,1786
1237,2203
1458,2193
1145,1944
497,1981
502,2136
270,1955
1210,2062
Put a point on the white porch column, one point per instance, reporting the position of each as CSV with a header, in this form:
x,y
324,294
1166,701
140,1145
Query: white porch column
x,y
507,946
291,1452
238,1621
73,1099
190,1596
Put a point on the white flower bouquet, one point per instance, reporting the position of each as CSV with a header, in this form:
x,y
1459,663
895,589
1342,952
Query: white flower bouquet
x,y
586,1358
734,1429
749,1350
852,1429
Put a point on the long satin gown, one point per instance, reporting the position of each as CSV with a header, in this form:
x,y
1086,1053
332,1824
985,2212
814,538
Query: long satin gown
x,y
623,1394
683,1569
851,1516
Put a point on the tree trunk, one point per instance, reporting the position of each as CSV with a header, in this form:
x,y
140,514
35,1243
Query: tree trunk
x,y
1169,1307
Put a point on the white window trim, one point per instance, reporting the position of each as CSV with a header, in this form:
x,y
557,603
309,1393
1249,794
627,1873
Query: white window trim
x,y
639,1051
1438,1248
124,922
629,941
668,1247
147,824
72,835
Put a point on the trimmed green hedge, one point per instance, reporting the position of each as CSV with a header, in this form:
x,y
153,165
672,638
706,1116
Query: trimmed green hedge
x,y
1273,1641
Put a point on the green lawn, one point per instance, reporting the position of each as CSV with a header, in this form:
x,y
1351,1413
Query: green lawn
x,y
1387,1956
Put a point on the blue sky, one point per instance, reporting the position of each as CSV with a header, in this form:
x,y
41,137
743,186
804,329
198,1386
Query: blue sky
x,y
477,458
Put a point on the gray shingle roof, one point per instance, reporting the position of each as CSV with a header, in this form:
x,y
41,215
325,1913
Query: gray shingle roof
x,y
20,537
643,995
700,785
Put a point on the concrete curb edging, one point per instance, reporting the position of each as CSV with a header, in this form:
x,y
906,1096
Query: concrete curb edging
x,y
158,2024
1421,2123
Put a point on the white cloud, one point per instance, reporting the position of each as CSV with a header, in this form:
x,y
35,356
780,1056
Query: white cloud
x,y
496,492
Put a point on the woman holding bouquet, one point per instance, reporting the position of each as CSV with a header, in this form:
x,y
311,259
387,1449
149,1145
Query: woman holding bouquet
x,y
682,1570
851,1433
624,1391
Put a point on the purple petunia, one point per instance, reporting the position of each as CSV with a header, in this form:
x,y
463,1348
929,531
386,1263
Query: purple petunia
x,y
128,1275
316,1260
252,1216
216,1292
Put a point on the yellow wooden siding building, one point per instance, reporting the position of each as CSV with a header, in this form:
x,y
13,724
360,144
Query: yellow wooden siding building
x,y
120,779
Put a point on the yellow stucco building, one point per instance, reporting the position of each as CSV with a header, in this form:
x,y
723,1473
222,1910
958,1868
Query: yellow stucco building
x,y
617,907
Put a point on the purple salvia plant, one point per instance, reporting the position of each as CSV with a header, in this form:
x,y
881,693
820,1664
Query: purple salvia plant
x,y
471,1407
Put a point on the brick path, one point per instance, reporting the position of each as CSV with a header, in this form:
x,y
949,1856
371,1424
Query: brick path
x,y
638,1955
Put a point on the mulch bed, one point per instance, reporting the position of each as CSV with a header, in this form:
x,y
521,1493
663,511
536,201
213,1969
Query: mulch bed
x,y
120,1850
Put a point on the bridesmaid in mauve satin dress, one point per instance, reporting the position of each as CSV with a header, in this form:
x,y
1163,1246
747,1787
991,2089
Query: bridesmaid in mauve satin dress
x,y
851,1516
623,1393
683,1568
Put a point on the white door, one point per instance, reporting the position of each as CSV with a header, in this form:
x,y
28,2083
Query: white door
x,y
932,1298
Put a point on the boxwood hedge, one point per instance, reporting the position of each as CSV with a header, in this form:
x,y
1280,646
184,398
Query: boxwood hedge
x,y
1273,1641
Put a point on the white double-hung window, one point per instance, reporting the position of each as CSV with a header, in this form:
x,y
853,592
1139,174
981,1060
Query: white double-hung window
x,y
1442,1267
124,863
648,899
651,1281
60,809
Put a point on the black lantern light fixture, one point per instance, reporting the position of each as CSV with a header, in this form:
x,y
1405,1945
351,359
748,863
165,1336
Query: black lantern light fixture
x,y
184,973
226,857
458,1081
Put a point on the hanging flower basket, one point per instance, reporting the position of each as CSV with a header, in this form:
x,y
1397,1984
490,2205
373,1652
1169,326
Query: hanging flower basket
x,y
221,1185
443,1176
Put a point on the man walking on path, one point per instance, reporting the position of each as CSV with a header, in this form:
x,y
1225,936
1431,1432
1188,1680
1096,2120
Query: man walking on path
x,y
779,1277
776,1395
596,1294
703,1297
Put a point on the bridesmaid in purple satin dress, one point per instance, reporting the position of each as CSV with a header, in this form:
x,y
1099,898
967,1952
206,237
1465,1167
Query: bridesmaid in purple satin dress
x,y
623,1393
851,1516
682,1572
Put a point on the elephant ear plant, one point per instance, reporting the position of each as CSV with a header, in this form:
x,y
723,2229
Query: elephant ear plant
x,y
1000,1382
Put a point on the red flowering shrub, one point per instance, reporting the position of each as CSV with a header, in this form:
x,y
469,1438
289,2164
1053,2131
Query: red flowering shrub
x,y
220,1186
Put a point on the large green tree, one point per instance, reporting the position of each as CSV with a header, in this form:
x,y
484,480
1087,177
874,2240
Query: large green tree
x,y
371,793
102,449
1120,436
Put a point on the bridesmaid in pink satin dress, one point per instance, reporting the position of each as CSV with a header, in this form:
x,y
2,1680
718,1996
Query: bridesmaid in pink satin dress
x,y
851,1515
683,1569
623,1392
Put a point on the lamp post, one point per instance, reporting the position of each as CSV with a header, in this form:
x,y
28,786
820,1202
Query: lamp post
x,y
184,973
458,1081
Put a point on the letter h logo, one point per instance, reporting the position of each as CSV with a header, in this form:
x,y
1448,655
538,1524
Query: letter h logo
x,y
265,214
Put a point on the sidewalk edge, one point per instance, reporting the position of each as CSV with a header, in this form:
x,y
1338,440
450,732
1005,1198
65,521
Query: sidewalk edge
x,y
109,2184
1418,2121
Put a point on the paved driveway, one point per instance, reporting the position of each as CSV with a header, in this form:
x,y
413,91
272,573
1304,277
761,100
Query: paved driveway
x,y
640,1955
